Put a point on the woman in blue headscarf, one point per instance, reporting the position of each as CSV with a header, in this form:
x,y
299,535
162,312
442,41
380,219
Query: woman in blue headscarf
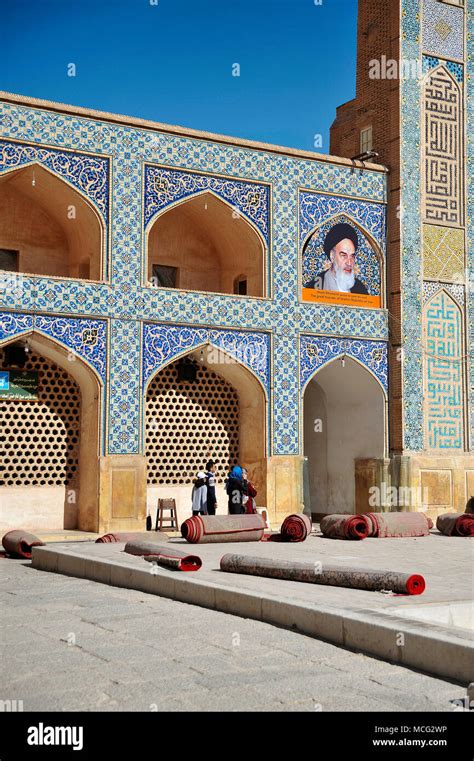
x,y
234,489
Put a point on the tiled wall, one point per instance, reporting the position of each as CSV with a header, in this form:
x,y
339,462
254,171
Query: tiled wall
x,y
127,331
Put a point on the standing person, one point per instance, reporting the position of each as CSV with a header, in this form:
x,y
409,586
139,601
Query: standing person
x,y
211,487
234,489
199,495
249,492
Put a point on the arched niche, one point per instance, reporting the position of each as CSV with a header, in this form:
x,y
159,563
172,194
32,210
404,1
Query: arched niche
x,y
344,418
67,505
208,244
252,427
51,225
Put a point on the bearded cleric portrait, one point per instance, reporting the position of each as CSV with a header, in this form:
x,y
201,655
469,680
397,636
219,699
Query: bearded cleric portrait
x,y
338,278
340,246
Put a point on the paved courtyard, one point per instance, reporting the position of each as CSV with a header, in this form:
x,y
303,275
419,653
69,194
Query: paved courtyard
x,y
73,644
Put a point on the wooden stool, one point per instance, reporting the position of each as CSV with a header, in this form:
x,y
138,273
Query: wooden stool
x,y
168,505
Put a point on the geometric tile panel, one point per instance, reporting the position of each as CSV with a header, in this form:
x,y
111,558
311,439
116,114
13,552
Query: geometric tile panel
x,y
470,213
443,253
443,29
444,373
443,161
124,397
431,62
318,351
411,243
456,290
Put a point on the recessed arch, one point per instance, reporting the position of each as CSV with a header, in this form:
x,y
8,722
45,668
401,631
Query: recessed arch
x,y
208,242
366,235
55,230
443,373
344,429
61,501
172,409
442,148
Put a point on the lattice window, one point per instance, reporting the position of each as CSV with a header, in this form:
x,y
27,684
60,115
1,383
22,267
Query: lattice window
x,y
443,141
39,441
189,422
443,373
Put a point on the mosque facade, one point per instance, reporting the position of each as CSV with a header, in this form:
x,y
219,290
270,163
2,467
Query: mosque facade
x,y
169,296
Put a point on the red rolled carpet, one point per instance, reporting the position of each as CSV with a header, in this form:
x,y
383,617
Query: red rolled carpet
x,y
456,524
295,528
130,536
167,555
344,526
332,575
204,529
398,524
18,543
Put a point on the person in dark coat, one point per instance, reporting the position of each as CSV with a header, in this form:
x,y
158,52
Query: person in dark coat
x,y
211,487
340,246
234,489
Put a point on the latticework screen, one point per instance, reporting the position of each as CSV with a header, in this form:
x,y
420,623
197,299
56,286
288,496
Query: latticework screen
x,y
189,422
39,441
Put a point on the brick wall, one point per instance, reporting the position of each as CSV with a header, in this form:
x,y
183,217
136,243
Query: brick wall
x,y
377,104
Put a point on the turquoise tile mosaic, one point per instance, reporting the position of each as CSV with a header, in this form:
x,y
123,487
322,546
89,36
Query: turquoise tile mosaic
x,y
113,163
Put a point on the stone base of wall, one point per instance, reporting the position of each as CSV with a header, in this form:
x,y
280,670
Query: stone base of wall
x,y
429,483
122,495
284,477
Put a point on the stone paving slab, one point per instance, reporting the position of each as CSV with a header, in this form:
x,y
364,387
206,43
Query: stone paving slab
x,y
176,656
357,619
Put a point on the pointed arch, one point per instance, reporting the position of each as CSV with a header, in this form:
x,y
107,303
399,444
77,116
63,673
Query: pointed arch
x,y
337,401
203,237
363,231
66,235
444,373
179,417
75,507
442,148
338,357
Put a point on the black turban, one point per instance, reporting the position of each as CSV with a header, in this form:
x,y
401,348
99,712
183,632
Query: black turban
x,y
336,234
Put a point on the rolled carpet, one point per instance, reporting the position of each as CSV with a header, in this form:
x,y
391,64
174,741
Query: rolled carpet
x,y
18,543
165,555
320,573
344,526
295,528
204,529
456,524
397,524
151,536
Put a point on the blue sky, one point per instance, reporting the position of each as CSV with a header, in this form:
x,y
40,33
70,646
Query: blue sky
x,y
172,62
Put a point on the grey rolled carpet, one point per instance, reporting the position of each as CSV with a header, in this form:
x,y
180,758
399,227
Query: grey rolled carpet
x,y
167,555
18,543
398,524
130,536
455,524
322,573
205,529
